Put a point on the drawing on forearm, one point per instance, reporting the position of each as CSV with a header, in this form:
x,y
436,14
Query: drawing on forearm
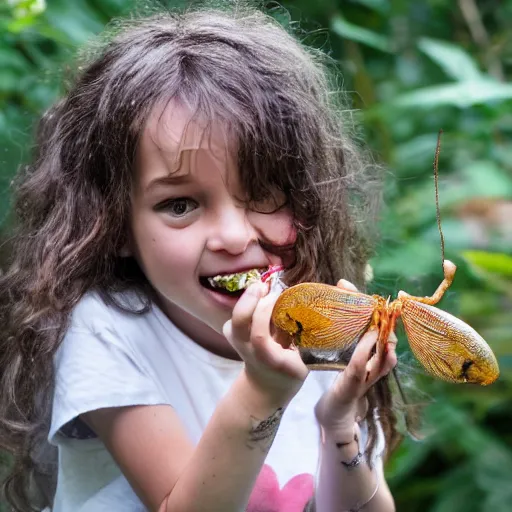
x,y
262,432
351,464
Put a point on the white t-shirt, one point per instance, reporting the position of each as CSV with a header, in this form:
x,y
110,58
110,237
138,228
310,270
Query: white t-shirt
x,y
110,358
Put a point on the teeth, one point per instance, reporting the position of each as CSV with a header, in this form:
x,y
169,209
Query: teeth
x,y
235,282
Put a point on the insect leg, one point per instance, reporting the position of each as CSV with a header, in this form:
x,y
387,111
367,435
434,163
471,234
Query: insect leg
x,y
449,269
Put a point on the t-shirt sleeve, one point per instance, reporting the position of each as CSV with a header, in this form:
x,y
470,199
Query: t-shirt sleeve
x,y
96,368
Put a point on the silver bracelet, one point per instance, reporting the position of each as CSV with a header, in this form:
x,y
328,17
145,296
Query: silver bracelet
x,y
354,462
360,506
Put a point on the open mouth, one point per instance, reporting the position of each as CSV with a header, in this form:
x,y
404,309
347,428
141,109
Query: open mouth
x,y
232,284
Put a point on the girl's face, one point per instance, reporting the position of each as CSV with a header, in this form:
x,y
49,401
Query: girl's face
x,y
189,222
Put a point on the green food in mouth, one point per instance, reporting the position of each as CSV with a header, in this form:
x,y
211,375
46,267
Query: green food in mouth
x,y
236,282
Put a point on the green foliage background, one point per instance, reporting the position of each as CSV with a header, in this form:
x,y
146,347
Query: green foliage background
x,y
410,68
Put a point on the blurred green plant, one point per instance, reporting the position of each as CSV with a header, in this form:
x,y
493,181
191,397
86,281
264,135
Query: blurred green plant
x,y
410,68
417,67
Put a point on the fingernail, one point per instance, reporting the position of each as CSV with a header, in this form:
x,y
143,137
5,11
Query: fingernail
x,y
347,284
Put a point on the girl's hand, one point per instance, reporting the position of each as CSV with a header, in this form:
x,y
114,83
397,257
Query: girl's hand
x,y
273,368
344,404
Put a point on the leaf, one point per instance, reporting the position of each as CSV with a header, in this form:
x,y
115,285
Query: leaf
x,y
410,456
9,81
455,430
115,7
462,94
76,20
381,6
497,263
482,178
455,62
492,471
415,258
10,58
19,24
456,495
415,153
348,30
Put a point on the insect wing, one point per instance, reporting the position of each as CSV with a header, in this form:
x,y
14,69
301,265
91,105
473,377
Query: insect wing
x,y
323,317
447,347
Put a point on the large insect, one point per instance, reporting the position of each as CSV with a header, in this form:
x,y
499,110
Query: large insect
x,y
327,318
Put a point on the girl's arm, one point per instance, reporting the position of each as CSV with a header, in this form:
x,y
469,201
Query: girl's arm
x,y
343,488
151,446
168,473
346,482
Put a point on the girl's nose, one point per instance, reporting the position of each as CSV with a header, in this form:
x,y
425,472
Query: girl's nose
x,y
231,231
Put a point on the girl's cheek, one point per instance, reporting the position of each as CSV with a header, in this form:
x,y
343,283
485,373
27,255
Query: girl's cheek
x,y
277,228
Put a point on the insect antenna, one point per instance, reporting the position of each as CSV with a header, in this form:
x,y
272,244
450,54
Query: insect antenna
x,y
436,183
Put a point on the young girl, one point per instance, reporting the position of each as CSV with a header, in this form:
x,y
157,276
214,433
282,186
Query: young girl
x,y
191,146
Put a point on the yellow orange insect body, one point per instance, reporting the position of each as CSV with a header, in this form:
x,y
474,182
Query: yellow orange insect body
x,y
328,318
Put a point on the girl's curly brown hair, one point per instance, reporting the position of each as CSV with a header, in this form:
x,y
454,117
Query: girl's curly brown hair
x,y
236,65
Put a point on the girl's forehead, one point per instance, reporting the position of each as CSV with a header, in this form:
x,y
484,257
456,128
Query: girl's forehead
x,y
173,131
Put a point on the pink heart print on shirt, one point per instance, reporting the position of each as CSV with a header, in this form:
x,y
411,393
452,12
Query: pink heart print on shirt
x,y
268,497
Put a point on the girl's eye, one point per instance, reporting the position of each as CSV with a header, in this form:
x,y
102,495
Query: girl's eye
x,y
178,207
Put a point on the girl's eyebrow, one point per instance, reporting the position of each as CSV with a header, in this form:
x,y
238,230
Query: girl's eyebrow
x,y
168,180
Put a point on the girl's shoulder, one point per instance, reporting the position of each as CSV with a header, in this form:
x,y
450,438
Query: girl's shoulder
x,y
94,310
124,320
117,333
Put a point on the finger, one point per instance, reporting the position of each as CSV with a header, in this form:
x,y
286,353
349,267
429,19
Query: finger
x,y
389,344
283,338
346,285
241,319
390,360
356,371
381,364
364,349
383,346
375,373
261,339
392,339
267,349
